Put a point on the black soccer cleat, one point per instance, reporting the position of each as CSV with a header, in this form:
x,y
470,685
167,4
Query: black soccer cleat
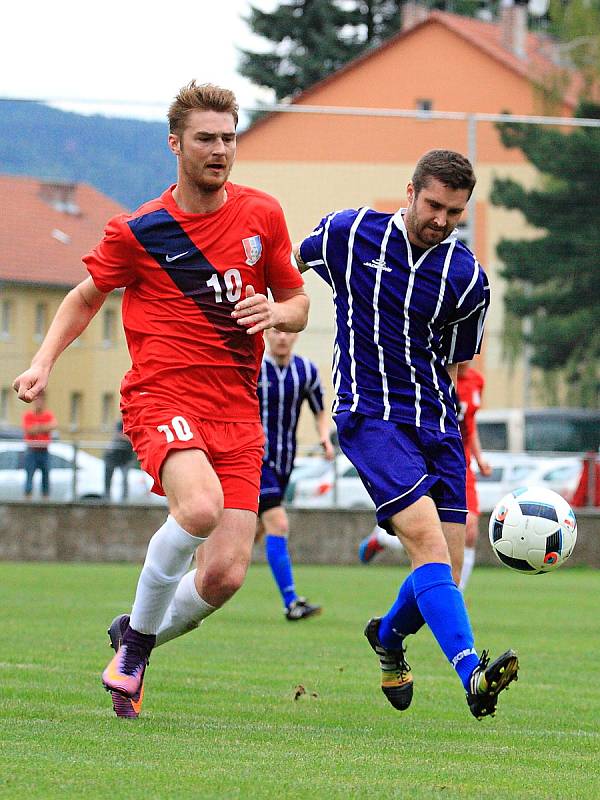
x,y
301,609
488,680
396,677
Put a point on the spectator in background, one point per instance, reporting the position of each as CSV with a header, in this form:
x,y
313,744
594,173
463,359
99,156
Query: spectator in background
x,y
38,425
119,453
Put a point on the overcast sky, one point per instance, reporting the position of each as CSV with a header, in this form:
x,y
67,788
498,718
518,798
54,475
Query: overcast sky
x,y
134,53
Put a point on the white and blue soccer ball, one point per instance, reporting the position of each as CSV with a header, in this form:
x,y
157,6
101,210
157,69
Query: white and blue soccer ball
x,y
533,530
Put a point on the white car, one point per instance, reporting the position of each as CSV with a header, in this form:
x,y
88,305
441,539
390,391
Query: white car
x,y
509,471
86,484
338,487
512,470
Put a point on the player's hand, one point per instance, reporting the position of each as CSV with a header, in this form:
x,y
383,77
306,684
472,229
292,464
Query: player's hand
x,y
484,468
31,383
255,312
328,450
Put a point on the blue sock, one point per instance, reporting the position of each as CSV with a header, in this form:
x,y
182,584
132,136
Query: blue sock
x,y
276,550
444,611
403,617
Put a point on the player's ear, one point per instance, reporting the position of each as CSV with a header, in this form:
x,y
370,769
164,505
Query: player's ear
x,y
174,144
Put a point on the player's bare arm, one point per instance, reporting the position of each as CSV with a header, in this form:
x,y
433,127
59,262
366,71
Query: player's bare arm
x,y
287,312
322,423
302,267
452,370
73,316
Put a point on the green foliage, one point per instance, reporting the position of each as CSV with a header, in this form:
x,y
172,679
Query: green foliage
x,y
577,25
554,278
220,721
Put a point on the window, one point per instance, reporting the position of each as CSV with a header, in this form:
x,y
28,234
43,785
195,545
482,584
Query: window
x,y
108,414
5,318
11,459
109,321
75,411
41,320
493,435
5,395
424,104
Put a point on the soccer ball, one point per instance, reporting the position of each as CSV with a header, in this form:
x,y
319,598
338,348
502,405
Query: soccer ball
x,y
533,530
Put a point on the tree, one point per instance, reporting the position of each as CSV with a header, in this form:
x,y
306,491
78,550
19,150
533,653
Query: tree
x,y
553,279
576,25
307,40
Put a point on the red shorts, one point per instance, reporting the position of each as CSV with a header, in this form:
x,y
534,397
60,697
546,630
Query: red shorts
x,y
472,498
234,449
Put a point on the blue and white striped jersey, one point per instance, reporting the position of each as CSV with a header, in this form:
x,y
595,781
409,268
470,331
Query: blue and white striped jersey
x,y
281,392
398,321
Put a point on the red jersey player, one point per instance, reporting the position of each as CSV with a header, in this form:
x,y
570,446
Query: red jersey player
x,y
196,264
469,390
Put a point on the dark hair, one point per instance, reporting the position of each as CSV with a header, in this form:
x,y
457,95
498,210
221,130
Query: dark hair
x,y
450,168
204,97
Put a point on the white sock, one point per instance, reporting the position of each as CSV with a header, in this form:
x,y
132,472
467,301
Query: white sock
x,y
386,539
186,612
468,564
168,558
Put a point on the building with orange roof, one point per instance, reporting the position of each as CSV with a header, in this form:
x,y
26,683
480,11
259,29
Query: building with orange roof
x,y
440,62
45,228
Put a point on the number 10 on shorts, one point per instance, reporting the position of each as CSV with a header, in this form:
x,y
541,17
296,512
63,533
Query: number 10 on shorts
x,y
178,429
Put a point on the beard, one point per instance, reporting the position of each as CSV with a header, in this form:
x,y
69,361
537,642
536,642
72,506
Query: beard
x,y
204,180
423,233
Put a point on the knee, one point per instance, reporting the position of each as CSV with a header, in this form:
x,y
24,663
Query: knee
x,y
198,515
220,581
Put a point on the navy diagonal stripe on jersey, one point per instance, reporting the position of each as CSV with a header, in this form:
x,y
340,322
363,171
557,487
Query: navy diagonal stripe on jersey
x,y
160,235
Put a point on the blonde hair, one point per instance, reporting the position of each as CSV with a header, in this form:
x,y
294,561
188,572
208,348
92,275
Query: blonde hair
x,y
204,97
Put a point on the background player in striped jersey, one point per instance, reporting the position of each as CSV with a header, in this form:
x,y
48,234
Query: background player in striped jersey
x,y
196,264
410,302
286,380
469,389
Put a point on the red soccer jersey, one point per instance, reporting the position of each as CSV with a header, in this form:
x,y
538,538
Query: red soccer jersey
x,y
31,419
183,274
469,390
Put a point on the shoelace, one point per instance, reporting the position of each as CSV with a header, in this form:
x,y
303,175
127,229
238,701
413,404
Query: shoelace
x,y
133,659
484,660
390,662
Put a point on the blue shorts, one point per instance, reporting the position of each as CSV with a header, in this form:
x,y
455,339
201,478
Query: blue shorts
x,y
272,488
400,463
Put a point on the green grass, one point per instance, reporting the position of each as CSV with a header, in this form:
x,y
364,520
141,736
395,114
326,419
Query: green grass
x,y
220,720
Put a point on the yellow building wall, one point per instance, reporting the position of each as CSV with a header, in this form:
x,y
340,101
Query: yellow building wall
x,y
92,366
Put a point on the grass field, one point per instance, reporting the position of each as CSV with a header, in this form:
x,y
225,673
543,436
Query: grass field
x,y
220,720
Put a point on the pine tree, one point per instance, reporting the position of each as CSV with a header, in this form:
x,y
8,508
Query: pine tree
x,y
553,279
309,39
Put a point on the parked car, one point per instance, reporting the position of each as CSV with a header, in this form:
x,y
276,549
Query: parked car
x,y
89,476
305,467
10,431
338,487
511,470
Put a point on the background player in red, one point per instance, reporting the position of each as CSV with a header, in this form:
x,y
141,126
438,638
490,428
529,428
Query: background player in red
x,y
469,389
38,426
196,264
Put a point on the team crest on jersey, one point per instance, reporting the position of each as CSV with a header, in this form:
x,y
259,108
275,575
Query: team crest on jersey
x,y
253,249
